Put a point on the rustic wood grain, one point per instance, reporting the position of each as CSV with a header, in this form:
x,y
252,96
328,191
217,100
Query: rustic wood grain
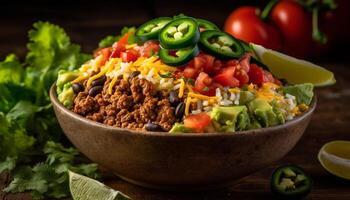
x,y
86,23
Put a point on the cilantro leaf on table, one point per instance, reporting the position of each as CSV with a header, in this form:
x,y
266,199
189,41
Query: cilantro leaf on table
x,y
14,140
51,177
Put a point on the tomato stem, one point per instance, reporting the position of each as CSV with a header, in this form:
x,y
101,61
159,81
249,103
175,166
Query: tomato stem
x,y
317,35
266,11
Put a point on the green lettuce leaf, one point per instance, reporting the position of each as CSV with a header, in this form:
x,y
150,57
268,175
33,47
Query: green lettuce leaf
x,y
302,92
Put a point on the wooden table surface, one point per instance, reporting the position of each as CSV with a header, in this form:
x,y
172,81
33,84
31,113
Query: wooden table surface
x,y
331,121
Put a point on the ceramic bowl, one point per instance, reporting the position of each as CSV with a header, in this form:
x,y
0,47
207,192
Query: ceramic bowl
x,y
188,161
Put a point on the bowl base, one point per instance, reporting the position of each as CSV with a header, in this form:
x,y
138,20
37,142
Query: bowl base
x,y
180,188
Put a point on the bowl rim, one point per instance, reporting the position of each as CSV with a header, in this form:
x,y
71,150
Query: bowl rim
x,y
56,103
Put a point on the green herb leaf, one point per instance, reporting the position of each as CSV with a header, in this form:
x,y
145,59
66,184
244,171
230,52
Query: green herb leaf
x,y
205,89
50,50
50,179
14,141
110,39
11,70
9,164
27,120
165,75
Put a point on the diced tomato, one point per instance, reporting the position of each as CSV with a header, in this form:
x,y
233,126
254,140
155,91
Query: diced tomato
x,y
204,84
119,46
197,122
226,77
105,52
268,77
149,48
129,55
256,74
218,64
232,62
199,62
209,64
244,63
190,72
242,76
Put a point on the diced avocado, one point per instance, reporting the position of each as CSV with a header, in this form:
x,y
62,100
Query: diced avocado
x,y
245,97
279,115
278,111
302,92
254,124
230,119
65,77
263,112
66,97
179,128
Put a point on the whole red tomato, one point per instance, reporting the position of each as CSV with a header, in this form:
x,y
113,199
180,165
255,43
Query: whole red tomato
x,y
294,23
245,23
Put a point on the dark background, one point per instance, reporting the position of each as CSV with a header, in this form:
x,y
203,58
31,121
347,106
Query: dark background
x,y
86,22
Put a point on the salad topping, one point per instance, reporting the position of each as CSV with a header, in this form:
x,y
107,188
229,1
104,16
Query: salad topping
x,y
180,75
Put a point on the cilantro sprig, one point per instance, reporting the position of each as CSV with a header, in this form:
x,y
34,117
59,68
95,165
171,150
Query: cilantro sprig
x,y
32,146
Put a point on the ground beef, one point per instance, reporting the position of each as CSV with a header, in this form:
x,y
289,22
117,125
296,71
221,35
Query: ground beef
x,y
132,105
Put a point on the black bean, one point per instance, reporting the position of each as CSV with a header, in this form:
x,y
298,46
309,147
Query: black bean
x,y
153,127
180,110
95,90
173,98
134,74
77,87
99,81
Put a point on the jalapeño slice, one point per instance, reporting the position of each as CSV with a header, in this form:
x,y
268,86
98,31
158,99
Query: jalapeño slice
x,y
150,30
179,33
178,57
206,25
221,44
290,182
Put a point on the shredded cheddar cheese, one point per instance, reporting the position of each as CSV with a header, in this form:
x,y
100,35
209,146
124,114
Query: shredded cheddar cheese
x,y
182,88
130,46
201,97
268,92
108,67
81,78
111,85
234,90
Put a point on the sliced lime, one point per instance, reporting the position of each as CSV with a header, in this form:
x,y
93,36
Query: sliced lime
x,y
335,158
294,70
85,188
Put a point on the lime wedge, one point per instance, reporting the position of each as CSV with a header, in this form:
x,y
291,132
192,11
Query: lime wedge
x,y
294,70
85,188
335,158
